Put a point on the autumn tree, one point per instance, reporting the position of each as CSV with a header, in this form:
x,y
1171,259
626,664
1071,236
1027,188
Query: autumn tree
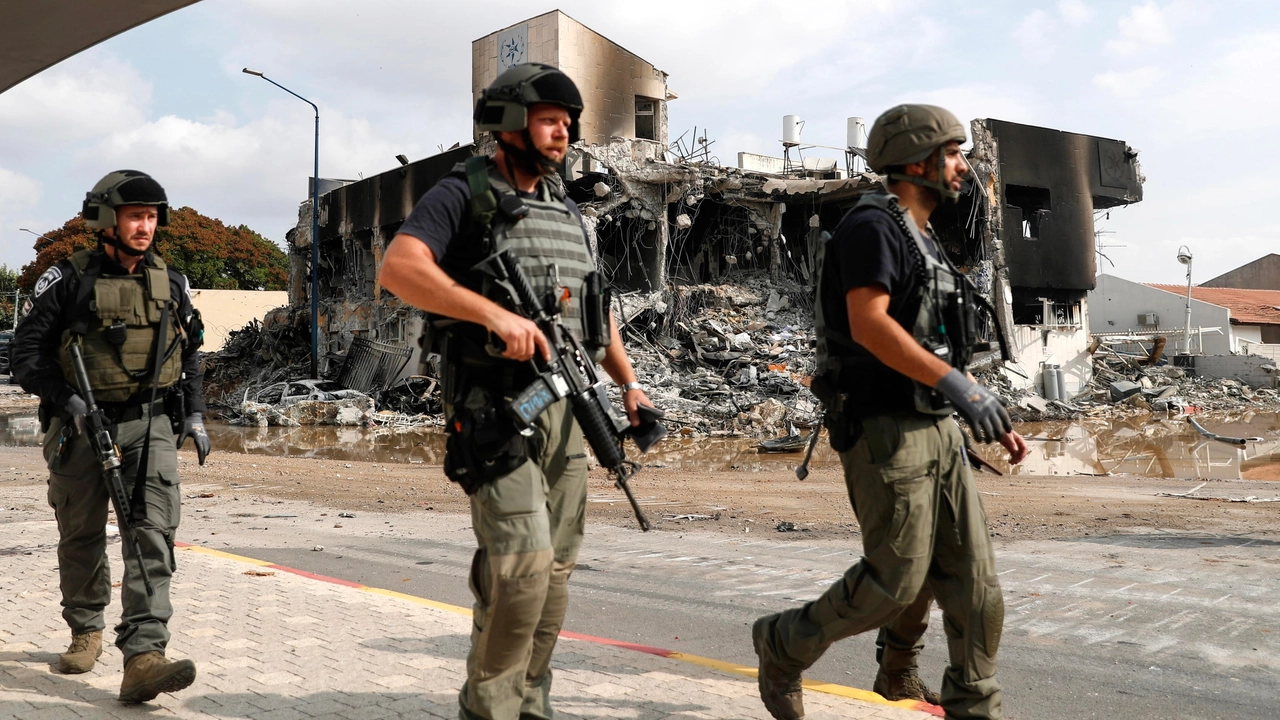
x,y
212,255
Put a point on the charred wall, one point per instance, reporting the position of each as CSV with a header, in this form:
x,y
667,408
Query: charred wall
x,y
357,222
1050,184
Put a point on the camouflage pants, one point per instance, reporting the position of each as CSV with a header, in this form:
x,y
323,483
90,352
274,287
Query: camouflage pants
x,y
79,497
528,526
921,518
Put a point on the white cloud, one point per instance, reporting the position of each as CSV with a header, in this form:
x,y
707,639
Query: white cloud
x,y
19,195
1075,12
1035,34
1129,83
1143,27
72,102
969,102
234,170
1228,86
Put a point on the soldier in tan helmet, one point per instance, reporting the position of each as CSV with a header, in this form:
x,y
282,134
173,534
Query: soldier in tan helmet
x,y
891,373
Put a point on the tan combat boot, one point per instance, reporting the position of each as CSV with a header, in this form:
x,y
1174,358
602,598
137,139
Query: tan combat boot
x,y
906,685
780,691
148,674
83,653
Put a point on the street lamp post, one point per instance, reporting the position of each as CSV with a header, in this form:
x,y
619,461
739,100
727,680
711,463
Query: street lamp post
x,y
315,231
1184,257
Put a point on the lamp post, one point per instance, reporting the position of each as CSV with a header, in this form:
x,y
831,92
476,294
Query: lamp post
x,y
315,231
1184,257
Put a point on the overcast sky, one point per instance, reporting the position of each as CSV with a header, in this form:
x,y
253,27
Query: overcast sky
x,y
1191,85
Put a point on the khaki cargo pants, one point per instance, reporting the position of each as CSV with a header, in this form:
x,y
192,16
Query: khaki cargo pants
x,y
921,517
79,497
528,527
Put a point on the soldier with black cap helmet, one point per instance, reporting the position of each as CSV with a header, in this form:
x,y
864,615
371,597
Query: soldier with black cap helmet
x,y
891,372
527,489
132,319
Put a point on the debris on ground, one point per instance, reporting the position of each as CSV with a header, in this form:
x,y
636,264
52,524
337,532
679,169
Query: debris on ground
x,y
1122,386
725,359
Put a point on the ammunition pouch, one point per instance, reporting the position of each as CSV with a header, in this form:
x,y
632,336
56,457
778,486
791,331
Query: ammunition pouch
x,y
483,444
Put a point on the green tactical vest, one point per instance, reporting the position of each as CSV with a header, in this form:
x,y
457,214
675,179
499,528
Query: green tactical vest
x,y
118,372
549,235
838,356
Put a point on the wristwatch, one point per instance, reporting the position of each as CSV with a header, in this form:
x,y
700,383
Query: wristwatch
x,y
633,385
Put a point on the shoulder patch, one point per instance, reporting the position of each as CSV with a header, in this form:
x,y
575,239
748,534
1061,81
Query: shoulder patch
x,y
47,280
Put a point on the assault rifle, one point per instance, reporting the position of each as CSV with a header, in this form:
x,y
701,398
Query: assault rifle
x,y
95,429
571,373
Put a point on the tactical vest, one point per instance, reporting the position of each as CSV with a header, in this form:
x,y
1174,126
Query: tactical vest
x,y
118,338
547,242
847,367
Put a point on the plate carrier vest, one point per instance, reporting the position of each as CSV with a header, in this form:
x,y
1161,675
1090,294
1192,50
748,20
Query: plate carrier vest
x,y
548,235
943,294
119,336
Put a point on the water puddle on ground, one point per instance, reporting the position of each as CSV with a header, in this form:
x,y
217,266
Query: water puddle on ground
x,y
1149,445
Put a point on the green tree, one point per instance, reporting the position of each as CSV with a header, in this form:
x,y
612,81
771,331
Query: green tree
x,y
8,286
212,255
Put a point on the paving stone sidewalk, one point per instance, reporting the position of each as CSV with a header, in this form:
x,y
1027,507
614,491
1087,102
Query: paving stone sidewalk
x,y
273,645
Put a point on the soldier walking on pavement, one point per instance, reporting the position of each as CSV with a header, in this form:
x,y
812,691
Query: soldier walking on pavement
x,y
528,490
892,318
131,317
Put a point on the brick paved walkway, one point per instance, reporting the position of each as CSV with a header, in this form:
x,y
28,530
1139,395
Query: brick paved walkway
x,y
275,645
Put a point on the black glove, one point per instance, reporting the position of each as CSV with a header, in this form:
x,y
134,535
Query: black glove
x,y
75,407
193,427
980,408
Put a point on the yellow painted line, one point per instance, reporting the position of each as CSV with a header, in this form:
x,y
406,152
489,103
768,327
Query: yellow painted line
x,y
446,607
223,555
720,665
814,685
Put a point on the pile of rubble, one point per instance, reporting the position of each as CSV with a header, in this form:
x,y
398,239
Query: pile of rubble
x,y
726,359
257,355
1122,386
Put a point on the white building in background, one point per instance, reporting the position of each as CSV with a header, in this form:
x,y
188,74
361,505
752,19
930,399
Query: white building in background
x,y
1223,320
225,310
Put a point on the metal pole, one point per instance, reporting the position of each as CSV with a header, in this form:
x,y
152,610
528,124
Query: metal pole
x,y
315,258
315,231
1186,338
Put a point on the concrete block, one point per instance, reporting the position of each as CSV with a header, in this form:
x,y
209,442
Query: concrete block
x,y
1123,389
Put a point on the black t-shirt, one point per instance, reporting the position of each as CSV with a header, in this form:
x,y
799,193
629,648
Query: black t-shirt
x,y
442,221
868,248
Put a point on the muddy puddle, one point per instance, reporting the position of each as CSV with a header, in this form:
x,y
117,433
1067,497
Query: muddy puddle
x,y
1152,446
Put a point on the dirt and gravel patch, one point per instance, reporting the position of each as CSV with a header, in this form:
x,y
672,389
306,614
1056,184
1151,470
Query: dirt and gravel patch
x,y
728,501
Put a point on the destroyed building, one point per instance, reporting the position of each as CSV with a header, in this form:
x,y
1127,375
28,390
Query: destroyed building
x,y
664,221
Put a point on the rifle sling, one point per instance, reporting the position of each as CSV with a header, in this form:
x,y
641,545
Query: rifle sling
x,y
138,509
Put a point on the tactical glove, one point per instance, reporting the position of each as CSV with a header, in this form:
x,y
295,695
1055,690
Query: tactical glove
x,y
75,407
193,427
980,408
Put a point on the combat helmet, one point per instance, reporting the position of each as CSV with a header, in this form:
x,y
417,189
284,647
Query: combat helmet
x,y
504,105
123,187
908,134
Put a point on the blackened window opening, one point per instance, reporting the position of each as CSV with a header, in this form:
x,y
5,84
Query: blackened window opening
x,y
1034,204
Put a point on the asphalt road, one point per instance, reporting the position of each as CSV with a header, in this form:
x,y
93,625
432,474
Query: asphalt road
x,y
1146,625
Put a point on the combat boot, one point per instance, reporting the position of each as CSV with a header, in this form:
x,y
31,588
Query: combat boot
x,y
83,653
905,685
780,690
148,674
